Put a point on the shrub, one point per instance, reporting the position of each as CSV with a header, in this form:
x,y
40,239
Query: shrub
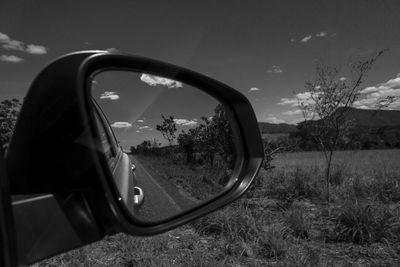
x,y
295,185
386,188
271,242
232,222
364,223
338,174
296,220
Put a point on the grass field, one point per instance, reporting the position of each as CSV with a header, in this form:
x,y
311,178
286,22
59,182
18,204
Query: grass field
x,y
283,221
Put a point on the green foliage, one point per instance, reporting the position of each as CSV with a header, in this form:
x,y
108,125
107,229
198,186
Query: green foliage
x,y
297,221
293,185
9,111
231,222
213,136
167,128
363,223
271,242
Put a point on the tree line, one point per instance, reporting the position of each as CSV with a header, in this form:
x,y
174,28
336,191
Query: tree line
x,y
212,138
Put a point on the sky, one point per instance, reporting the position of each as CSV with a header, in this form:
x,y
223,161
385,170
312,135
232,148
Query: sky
x,y
136,107
264,49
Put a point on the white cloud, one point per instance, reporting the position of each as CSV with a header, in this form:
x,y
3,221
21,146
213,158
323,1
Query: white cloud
x,y
11,44
304,97
121,124
288,101
333,35
342,79
292,40
184,122
254,89
321,34
11,58
4,37
275,69
138,131
145,128
36,49
292,112
272,119
153,80
306,39
109,95
371,95
140,120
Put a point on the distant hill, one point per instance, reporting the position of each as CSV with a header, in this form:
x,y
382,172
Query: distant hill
x,y
363,118
374,118
271,128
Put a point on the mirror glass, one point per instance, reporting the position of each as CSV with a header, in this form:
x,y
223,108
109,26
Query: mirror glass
x,y
170,146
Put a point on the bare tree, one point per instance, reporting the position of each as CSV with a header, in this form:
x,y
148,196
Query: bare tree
x,y
326,103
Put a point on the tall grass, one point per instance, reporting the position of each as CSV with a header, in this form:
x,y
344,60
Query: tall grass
x,y
283,221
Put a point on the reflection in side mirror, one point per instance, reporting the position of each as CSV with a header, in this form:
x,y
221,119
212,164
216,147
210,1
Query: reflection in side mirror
x,y
178,138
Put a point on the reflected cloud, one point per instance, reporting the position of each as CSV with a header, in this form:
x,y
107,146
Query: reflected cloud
x,y
121,124
184,122
254,89
306,39
145,128
153,80
109,95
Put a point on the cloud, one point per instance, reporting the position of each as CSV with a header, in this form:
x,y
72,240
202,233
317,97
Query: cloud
x,y
304,97
371,95
321,34
145,128
342,79
333,35
4,37
292,112
11,44
36,49
11,58
306,39
272,119
121,124
254,89
275,69
140,120
292,40
109,95
288,101
153,80
184,122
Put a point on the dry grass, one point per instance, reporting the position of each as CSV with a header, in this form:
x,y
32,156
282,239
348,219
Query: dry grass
x,y
283,222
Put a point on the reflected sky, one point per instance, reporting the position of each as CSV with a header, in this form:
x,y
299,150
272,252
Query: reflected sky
x,y
134,102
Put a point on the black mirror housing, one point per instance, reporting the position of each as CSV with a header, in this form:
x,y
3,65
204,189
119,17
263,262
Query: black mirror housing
x,y
55,147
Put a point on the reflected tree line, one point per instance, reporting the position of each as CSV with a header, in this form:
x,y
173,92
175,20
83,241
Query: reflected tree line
x,y
210,141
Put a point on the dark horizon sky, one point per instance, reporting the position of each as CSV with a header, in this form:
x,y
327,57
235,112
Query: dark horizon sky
x,y
265,49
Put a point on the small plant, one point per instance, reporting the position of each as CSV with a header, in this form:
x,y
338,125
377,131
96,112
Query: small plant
x,y
338,174
235,223
271,242
297,221
364,223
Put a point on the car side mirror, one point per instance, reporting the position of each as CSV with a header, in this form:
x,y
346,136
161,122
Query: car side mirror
x,y
59,143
